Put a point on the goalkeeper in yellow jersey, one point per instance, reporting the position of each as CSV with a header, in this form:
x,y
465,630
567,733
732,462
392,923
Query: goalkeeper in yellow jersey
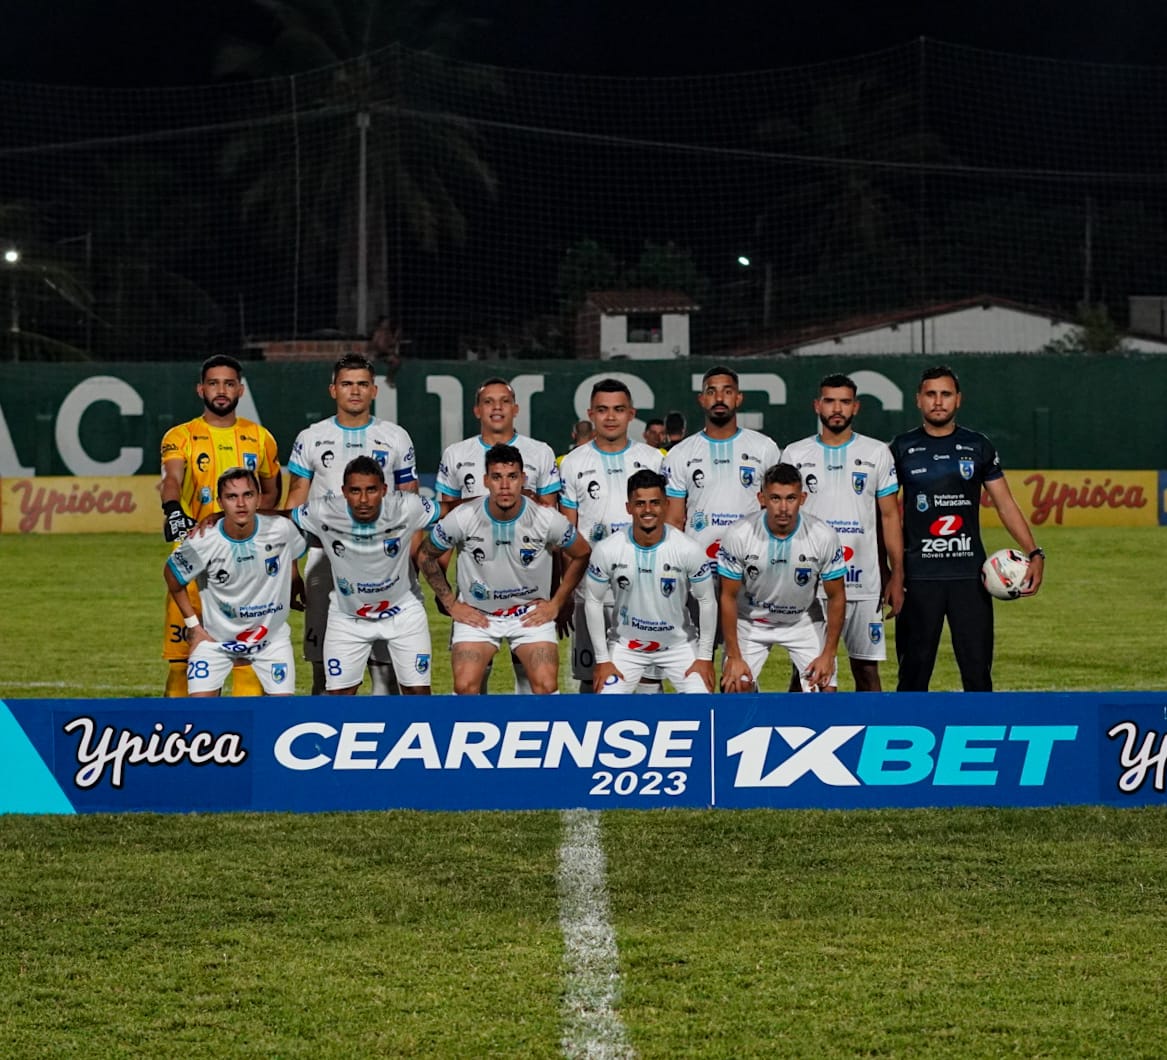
x,y
194,455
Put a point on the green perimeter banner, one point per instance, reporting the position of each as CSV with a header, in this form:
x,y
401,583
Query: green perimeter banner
x,y
1042,411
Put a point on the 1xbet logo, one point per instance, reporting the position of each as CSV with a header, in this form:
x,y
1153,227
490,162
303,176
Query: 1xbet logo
x,y
957,755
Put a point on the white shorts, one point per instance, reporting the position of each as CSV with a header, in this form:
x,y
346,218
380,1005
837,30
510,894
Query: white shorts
x,y
801,639
507,627
862,629
274,664
318,586
406,636
668,662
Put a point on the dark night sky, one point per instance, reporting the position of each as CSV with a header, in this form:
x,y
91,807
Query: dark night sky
x,y
157,42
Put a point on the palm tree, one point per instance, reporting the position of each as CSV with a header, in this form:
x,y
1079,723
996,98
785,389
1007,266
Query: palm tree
x,y
360,117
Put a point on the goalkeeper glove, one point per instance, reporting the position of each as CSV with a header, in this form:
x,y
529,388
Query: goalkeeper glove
x,y
176,522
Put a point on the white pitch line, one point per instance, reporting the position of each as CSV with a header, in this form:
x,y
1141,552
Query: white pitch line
x,y
591,1027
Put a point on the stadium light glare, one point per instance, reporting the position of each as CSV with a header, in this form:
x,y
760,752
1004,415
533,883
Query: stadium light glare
x,y
12,256
743,260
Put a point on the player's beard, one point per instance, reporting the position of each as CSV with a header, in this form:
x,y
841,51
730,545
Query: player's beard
x,y
832,428
720,415
216,410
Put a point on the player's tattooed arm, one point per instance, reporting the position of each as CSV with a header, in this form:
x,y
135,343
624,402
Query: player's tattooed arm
x,y
430,568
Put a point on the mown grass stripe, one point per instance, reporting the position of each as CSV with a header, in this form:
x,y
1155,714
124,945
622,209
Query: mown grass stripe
x,y
591,1026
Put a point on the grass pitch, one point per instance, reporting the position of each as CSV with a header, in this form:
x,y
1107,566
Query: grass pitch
x,y
957,933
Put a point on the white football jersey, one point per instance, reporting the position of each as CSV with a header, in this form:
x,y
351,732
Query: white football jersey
x,y
650,586
249,583
843,484
779,573
323,450
462,469
718,479
595,486
503,564
372,576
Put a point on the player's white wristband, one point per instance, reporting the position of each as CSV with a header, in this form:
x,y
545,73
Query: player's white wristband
x,y
190,621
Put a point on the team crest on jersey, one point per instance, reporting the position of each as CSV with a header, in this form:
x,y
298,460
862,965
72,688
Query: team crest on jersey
x,y
422,664
344,586
921,502
527,556
667,585
279,672
746,475
272,565
875,631
479,591
381,456
966,468
392,546
858,481
598,532
251,461
699,521
802,575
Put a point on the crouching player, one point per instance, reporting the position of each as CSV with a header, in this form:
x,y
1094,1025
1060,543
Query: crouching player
x,y
505,547
651,569
248,560
770,564
367,534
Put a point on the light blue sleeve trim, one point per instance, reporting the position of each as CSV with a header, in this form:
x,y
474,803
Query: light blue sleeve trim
x,y
566,502
888,489
670,491
445,490
594,578
438,545
298,471
831,575
177,573
552,487
724,573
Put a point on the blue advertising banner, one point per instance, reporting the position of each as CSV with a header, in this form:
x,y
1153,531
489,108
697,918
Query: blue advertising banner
x,y
845,751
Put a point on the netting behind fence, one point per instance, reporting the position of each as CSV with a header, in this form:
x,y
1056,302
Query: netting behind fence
x,y
477,206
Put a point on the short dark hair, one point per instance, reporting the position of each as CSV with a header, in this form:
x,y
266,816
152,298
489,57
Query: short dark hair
x,y
674,423
644,479
782,475
353,360
494,380
233,473
837,379
503,454
938,372
719,369
656,421
611,386
220,360
364,465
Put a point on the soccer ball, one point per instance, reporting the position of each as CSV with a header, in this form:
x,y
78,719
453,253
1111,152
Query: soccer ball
x,y
1003,572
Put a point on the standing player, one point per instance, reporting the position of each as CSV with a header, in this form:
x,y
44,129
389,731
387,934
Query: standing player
x,y
248,560
714,475
505,545
367,531
650,569
776,556
194,455
595,493
850,481
319,457
462,468
942,468
654,434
